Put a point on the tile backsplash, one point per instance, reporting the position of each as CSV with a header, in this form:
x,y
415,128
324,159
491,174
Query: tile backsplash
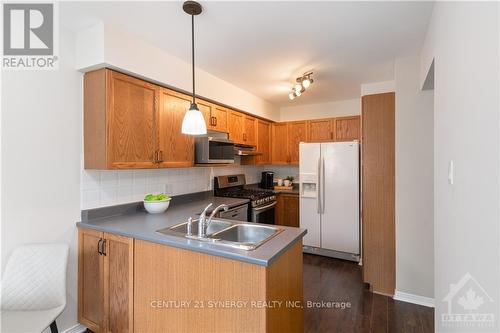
x,y
101,188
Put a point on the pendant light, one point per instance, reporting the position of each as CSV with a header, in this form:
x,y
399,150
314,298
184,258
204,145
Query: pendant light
x,y
193,122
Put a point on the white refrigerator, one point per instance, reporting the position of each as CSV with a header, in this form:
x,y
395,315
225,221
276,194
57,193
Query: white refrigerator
x,y
329,198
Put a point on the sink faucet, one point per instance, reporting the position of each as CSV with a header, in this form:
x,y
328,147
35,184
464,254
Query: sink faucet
x,y
204,222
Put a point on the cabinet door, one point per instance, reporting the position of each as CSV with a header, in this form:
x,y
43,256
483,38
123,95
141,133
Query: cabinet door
x,y
279,146
90,279
219,115
236,124
175,149
132,106
206,109
347,128
320,130
263,142
297,132
287,210
250,135
118,254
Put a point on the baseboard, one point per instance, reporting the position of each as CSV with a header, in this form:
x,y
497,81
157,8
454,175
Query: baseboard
x,y
415,299
78,328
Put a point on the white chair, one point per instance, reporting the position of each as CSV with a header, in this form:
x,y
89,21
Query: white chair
x,y
33,290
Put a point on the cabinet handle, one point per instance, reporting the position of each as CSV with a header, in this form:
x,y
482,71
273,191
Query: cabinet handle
x,y
99,244
103,251
160,156
215,121
211,121
156,156
244,137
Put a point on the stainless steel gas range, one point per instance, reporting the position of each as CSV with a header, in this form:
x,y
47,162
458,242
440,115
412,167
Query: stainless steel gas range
x,y
262,204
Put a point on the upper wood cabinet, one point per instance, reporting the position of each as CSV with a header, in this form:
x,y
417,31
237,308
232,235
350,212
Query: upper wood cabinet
x,y
119,121
334,129
279,146
321,130
297,133
250,134
174,148
242,128
105,281
215,116
263,142
236,126
347,128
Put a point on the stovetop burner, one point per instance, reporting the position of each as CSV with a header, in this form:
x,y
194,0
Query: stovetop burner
x,y
234,187
240,192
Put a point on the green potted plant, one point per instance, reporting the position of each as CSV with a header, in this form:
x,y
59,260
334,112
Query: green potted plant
x,y
289,181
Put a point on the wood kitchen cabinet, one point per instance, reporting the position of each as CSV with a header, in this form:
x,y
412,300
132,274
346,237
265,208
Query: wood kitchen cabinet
x,y
105,281
250,134
378,192
287,210
347,128
321,130
297,132
236,125
119,121
263,142
242,128
279,146
174,148
285,141
215,116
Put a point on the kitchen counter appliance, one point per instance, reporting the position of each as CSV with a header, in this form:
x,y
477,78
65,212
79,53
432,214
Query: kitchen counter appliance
x,y
267,180
262,202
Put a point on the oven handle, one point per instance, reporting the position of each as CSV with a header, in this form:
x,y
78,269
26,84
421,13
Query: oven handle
x,y
265,207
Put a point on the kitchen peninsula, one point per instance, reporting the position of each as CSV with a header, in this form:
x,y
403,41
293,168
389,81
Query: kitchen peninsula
x,y
134,279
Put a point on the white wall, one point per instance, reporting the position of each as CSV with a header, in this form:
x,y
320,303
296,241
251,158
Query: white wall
x,y
103,45
377,87
414,182
41,139
463,40
347,107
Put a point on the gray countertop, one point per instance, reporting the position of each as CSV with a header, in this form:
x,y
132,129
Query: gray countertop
x,y
138,224
295,189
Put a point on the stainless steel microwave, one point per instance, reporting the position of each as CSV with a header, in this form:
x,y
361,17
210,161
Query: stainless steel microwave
x,y
211,149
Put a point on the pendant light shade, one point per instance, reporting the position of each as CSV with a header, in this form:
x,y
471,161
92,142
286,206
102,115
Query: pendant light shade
x,y
193,122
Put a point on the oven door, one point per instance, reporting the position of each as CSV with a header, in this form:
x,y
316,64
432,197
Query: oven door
x,y
264,214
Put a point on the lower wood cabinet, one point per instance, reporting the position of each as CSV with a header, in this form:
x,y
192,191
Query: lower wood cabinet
x,y
172,275
127,285
105,281
287,210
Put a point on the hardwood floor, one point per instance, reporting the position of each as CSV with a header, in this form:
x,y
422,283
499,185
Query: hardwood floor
x,y
327,279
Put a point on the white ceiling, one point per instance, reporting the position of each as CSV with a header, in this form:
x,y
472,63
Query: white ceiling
x,y
263,46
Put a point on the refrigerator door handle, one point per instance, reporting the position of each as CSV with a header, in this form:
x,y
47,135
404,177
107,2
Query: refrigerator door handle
x,y
318,195
323,185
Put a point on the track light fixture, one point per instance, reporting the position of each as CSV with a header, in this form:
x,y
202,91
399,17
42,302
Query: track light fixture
x,y
302,82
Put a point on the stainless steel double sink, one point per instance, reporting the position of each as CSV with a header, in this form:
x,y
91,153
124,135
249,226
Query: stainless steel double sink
x,y
245,236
